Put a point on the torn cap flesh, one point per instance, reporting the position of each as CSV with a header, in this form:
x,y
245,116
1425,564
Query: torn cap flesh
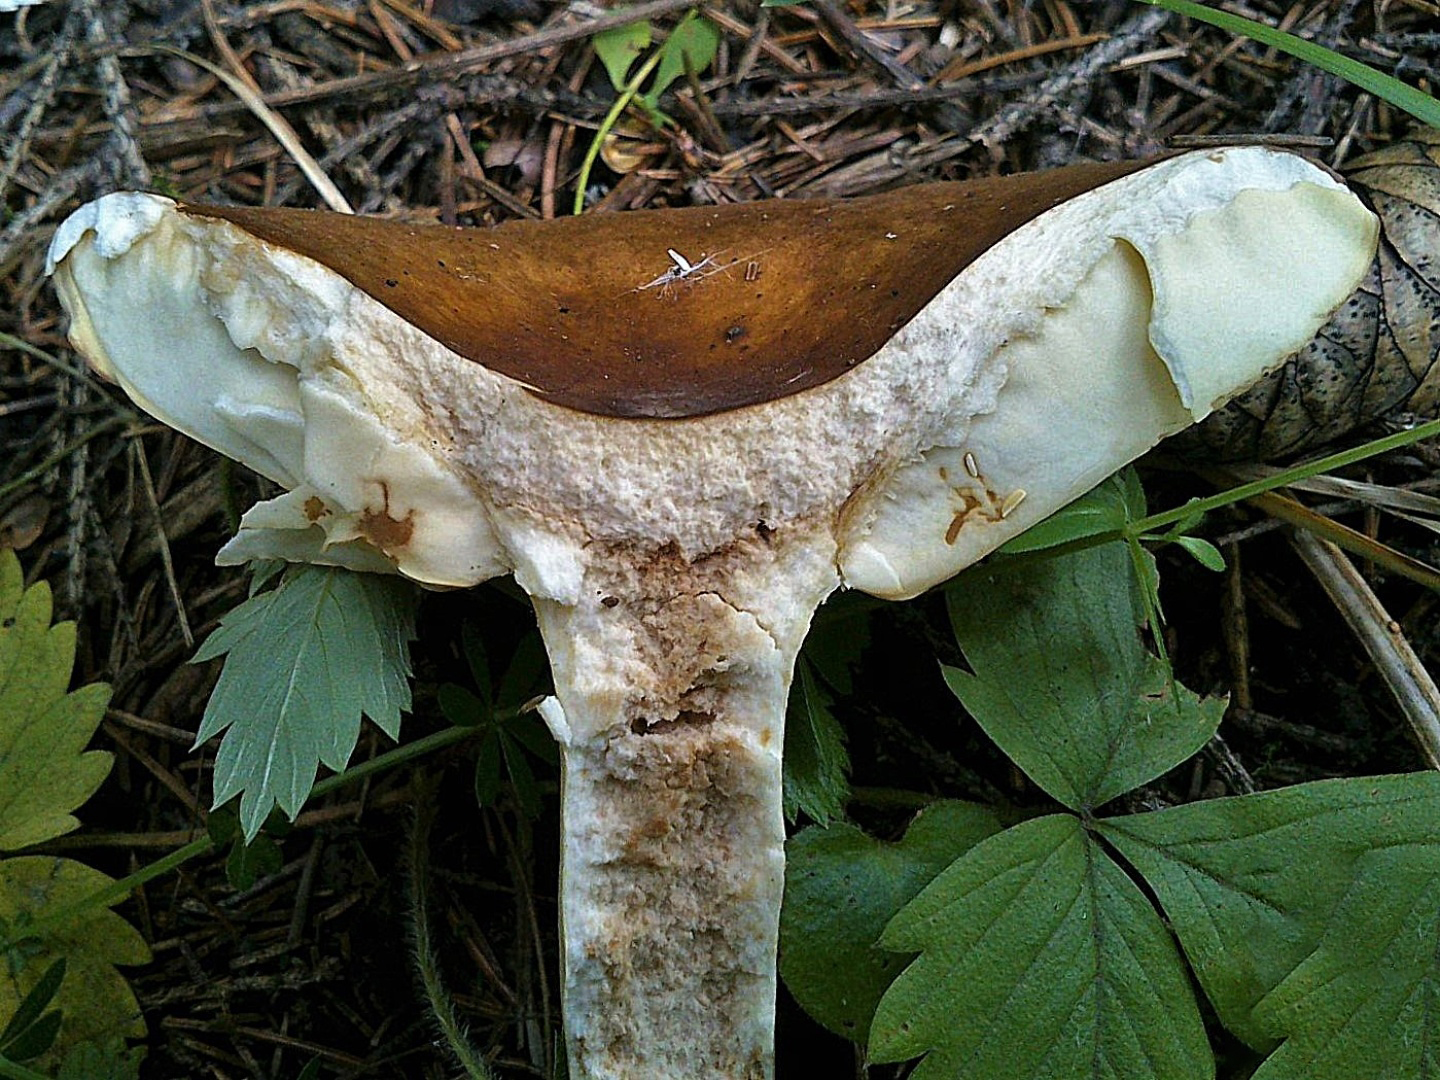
x,y
679,459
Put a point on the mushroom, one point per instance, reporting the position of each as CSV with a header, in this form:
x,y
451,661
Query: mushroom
x,y
681,431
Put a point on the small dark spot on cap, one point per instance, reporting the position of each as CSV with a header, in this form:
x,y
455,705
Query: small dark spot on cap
x,y
735,333
391,282
609,601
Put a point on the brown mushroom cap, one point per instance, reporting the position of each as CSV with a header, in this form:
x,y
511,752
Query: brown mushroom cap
x,y
794,293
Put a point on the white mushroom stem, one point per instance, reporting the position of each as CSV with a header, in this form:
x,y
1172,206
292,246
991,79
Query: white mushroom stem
x,y
672,682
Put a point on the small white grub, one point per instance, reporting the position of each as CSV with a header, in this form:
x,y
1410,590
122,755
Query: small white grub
x,y
752,271
1011,501
971,465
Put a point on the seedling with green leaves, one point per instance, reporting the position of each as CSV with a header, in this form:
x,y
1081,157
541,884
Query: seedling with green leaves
x,y
688,49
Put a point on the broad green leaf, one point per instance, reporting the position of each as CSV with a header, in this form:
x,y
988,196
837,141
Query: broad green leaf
x,y
96,1002
45,770
1062,681
1252,883
1039,958
619,48
1366,1002
303,662
841,888
694,38
816,765
1104,510
110,1059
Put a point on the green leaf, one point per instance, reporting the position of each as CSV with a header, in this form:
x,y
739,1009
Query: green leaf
x,y
841,888
522,778
248,863
461,707
487,769
31,1009
1062,681
1203,552
304,661
816,765
45,770
1251,884
526,676
94,997
694,39
619,48
1039,959
1104,510
109,1059
1419,105
1366,1002
35,1039
477,658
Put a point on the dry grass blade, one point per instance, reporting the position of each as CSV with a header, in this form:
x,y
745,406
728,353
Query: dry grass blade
x,y
284,134
1382,637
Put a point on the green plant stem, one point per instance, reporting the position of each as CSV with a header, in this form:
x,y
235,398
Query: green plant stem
x,y
1422,106
118,890
11,1071
621,104
442,1005
1196,507
392,758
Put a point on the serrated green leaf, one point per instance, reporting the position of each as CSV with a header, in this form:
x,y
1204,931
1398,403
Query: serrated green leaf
x,y
694,39
619,48
1063,683
841,888
1251,884
816,764
1039,959
94,997
45,770
302,663
1366,1002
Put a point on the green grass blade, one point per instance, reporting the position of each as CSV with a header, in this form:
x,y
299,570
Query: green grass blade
x,y
1422,106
